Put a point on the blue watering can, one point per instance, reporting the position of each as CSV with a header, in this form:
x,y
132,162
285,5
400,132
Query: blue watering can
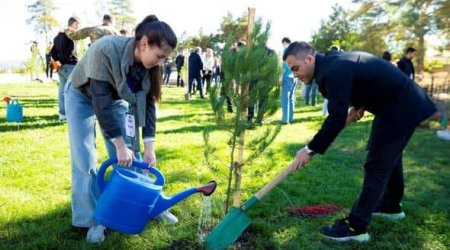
x,y
14,112
130,199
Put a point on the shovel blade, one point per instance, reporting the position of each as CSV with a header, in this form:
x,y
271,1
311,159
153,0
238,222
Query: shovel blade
x,y
228,230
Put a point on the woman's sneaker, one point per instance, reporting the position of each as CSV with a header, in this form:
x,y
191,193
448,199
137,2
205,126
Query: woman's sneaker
x,y
167,216
96,234
342,231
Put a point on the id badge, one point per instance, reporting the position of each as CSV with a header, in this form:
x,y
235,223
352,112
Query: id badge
x,y
130,125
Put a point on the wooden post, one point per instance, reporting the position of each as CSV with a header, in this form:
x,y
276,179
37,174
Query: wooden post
x,y
187,95
244,104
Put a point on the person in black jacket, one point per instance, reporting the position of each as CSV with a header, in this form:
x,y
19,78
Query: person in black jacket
x,y
405,63
179,62
354,82
65,51
195,67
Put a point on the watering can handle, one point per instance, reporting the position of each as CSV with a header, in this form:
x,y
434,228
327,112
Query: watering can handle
x,y
142,165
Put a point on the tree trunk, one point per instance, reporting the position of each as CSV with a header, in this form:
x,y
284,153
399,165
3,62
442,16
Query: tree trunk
x,y
420,55
244,105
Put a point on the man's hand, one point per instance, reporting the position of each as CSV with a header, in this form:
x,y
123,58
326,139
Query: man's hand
x,y
354,115
301,159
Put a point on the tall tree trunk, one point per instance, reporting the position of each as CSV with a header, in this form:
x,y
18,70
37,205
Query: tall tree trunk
x,y
420,55
244,105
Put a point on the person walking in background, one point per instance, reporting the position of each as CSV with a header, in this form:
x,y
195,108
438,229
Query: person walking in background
x,y
354,82
65,51
217,71
195,68
48,60
117,83
35,62
288,85
208,65
406,65
179,62
168,64
311,91
94,33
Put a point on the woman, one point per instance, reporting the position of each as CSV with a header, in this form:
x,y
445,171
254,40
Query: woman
x,y
118,82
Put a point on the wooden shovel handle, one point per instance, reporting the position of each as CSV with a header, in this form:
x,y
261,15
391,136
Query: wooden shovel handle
x,y
269,186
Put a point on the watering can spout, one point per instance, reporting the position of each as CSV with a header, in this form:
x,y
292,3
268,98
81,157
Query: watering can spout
x,y
165,203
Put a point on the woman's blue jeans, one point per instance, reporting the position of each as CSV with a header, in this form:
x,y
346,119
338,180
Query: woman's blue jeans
x,y
81,121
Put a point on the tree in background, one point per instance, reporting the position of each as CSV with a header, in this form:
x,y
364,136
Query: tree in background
x,y
235,26
253,61
406,22
229,25
42,18
337,30
123,14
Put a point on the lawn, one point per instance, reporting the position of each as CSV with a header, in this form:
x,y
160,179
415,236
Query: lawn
x,y
35,181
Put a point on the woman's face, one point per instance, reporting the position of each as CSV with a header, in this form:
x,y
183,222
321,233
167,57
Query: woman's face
x,y
152,55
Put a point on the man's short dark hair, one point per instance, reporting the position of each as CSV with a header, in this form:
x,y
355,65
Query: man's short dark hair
x,y
285,40
73,20
298,49
410,50
107,18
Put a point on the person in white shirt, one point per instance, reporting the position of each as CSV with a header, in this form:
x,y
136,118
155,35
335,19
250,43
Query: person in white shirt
x,y
208,65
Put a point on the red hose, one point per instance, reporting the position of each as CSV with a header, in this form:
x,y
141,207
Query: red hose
x,y
314,210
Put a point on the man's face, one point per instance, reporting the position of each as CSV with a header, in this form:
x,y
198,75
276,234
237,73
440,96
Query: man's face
x,y
411,55
302,68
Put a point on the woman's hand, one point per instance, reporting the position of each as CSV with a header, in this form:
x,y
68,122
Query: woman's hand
x,y
149,153
125,156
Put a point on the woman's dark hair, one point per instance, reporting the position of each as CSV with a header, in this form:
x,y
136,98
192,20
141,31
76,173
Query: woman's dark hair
x,y
158,34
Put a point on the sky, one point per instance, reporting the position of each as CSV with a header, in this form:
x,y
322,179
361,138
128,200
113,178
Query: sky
x,y
296,19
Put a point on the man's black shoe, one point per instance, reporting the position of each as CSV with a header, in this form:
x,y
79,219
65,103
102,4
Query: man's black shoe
x,y
342,231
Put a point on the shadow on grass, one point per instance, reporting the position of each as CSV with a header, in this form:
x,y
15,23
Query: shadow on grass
x,y
30,123
37,102
54,230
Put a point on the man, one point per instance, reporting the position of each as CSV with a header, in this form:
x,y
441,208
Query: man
x,y
95,32
195,68
65,51
179,62
48,60
362,82
405,63
288,85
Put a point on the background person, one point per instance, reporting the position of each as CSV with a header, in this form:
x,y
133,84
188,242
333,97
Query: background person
x,y
65,51
406,65
288,85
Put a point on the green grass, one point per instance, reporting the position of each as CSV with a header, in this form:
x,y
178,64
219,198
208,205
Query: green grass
x,y
35,181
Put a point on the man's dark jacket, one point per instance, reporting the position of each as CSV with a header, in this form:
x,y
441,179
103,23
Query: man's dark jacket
x,y
64,50
195,65
360,79
179,61
406,66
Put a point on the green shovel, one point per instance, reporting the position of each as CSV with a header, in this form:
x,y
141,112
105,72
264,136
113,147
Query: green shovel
x,y
235,222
